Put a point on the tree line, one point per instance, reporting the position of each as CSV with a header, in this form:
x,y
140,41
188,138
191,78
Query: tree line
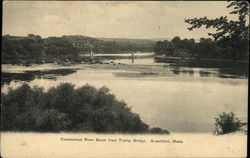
x,y
35,49
205,48
230,40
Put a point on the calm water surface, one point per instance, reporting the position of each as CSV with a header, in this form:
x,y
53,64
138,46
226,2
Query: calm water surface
x,y
185,101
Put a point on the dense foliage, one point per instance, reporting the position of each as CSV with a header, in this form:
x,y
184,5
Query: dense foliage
x,y
65,108
16,50
226,28
205,48
232,36
227,123
34,49
230,41
175,47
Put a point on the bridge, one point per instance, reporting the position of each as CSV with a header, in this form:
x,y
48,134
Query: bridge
x,y
82,47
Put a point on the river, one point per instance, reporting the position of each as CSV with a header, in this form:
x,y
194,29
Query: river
x,y
179,98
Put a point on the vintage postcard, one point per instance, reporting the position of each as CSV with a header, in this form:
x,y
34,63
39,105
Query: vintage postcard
x,y
124,79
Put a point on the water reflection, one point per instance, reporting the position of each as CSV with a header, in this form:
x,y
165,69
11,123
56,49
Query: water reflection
x,y
206,74
184,72
28,76
221,73
188,67
8,77
196,72
224,68
135,74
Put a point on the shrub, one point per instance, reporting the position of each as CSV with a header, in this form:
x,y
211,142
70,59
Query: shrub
x,y
65,108
158,130
227,123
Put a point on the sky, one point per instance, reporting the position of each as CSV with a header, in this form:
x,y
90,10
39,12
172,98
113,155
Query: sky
x,y
110,19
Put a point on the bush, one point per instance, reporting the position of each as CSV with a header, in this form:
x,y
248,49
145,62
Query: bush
x,y
158,130
65,108
227,123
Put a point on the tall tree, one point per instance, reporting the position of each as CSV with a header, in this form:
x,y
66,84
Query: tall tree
x,y
234,34
226,28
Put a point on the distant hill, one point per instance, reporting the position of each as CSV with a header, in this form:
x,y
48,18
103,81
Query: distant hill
x,y
161,39
126,40
143,45
80,38
169,39
112,45
141,41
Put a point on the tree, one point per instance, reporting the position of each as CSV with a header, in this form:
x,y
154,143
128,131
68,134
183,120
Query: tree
x,y
229,32
8,50
158,47
206,48
60,48
158,130
227,123
164,47
65,108
226,28
176,40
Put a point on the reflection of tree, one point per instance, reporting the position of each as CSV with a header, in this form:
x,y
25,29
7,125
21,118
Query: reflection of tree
x,y
225,68
27,76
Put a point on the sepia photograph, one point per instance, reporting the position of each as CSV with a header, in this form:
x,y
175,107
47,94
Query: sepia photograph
x,y
124,79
